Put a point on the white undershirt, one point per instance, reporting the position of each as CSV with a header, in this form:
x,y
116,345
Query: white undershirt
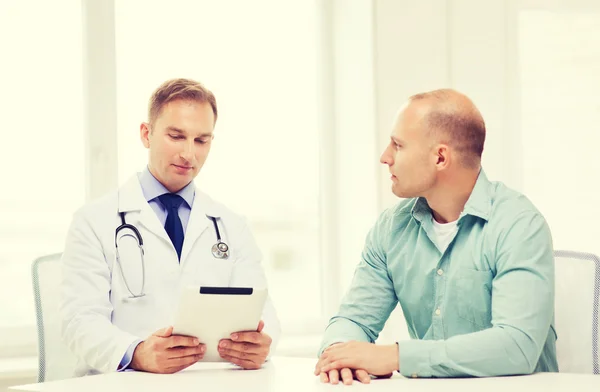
x,y
444,233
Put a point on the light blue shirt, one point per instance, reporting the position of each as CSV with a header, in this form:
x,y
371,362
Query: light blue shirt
x,y
152,189
482,307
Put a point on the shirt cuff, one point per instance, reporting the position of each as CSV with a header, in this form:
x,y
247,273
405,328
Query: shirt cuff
x,y
128,357
416,357
342,330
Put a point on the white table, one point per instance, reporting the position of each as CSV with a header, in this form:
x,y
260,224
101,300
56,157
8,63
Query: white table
x,y
295,374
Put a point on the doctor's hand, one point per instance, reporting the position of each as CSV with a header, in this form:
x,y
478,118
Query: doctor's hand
x,y
164,352
246,349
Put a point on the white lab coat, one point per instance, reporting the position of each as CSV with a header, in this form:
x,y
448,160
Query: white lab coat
x,y
99,321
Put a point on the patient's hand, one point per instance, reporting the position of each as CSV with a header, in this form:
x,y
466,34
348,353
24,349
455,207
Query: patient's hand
x,y
246,349
346,375
356,360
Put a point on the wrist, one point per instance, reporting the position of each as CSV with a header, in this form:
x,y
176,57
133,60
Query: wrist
x,y
394,357
136,357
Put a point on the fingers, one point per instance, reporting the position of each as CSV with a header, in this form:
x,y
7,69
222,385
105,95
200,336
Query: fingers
x,y
223,352
329,355
164,332
362,376
178,352
182,341
245,363
324,365
347,376
242,347
334,376
243,352
325,358
324,378
318,368
330,364
251,337
261,325
324,361
183,362
335,365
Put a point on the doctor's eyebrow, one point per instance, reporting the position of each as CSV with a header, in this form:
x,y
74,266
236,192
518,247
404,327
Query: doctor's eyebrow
x,y
175,129
178,130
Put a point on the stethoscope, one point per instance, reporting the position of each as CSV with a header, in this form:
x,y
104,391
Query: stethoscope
x,y
220,250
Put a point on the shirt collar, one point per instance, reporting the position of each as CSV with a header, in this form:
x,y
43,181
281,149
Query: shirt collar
x,y
152,188
480,200
479,203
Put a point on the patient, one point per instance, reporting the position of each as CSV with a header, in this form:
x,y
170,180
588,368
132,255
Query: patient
x,y
469,260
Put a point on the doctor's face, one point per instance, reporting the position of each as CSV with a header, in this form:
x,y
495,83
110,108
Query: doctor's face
x,y
178,142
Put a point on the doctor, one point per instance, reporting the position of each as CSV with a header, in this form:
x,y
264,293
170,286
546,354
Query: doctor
x,y
120,287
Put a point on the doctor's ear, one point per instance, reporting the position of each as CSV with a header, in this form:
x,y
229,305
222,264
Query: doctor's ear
x,y
145,134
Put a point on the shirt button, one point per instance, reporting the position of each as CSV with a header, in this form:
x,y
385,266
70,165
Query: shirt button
x,y
440,272
414,375
438,312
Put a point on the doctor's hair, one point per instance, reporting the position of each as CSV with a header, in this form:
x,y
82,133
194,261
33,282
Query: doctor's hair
x,y
179,89
455,120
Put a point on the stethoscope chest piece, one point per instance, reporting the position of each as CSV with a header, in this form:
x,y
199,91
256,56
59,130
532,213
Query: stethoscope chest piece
x,y
220,250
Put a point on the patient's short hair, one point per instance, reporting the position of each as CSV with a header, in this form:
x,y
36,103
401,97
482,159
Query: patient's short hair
x,y
456,122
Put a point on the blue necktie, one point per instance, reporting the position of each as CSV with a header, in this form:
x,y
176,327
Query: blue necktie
x,y
173,225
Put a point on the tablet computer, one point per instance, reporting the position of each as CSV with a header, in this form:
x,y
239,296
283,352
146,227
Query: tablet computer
x,y
214,313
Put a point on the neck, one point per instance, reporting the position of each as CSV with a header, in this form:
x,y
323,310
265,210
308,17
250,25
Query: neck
x,y
171,189
448,199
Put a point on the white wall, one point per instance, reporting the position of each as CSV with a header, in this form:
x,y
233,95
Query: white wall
x,y
378,53
355,119
461,44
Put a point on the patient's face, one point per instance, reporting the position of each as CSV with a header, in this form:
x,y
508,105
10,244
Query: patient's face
x,y
410,154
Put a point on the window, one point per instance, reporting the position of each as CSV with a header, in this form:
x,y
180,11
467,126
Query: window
x,y
560,74
264,161
42,149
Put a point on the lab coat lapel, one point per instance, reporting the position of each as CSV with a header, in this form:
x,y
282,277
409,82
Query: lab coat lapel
x,y
132,201
202,208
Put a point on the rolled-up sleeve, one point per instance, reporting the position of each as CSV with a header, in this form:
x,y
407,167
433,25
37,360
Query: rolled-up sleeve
x,y
369,300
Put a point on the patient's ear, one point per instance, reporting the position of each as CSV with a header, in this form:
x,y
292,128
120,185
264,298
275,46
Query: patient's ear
x,y
443,156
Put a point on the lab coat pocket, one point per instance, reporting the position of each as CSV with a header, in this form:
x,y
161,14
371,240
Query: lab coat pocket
x,y
474,296
215,272
220,272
